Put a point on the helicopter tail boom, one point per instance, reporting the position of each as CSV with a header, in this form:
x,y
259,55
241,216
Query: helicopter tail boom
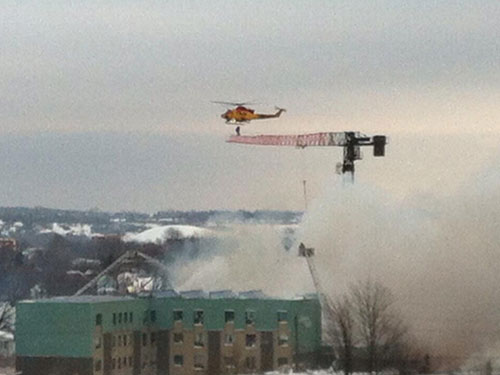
x,y
274,115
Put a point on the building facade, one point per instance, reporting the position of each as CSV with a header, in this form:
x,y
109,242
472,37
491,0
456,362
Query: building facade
x,y
169,334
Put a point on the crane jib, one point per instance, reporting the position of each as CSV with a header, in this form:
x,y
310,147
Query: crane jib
x,y
342,139
351,142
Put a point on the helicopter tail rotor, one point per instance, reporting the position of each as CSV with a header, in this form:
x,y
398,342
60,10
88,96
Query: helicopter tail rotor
x,y
280,111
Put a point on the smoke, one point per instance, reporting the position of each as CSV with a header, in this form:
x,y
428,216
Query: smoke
x,y
439,256
245,257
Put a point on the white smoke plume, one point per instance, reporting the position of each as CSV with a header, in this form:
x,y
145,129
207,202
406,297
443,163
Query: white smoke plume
x,y
246,257
440,256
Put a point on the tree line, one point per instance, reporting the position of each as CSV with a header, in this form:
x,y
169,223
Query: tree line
x,y
369,334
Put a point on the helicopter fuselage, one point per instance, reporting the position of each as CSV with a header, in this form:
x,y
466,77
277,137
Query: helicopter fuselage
x,y
242,114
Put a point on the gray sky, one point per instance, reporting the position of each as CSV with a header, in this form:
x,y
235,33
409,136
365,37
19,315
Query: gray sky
x,y
87,88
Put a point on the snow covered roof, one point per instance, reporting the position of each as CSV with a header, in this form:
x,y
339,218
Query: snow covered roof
x,y
166,293
6,336
81,299
222,294
193,294
170,293
307,296
253,294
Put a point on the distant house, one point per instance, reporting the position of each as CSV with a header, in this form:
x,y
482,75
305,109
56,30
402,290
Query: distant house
x,y
7,243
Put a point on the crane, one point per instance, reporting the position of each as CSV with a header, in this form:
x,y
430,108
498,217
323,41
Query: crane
x,y
308,253
351,141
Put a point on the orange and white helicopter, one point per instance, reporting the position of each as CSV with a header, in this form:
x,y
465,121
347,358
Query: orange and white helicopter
x,y
241,114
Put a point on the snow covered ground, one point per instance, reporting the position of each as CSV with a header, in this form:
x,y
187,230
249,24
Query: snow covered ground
x,y
11,371
7,371
159,234
74,230
5,230
319,372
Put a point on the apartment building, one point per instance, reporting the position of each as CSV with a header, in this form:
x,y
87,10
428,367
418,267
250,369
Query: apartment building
x,y
166,333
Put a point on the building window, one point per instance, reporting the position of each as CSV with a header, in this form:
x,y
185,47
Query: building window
x,y
152,315
153,338
144,339
178,338
131,316
229,316
228,339
283,340
113,363
198,317
119,340
282,316
114,318
119,362
250,363
113,341
124,340
199,361
125,317
178,315
178,360
282,361
198,339
97,342
98,319
98,365
250,340
119,318
249,317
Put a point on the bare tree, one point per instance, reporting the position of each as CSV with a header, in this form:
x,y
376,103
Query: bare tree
x,y
488,368
7,316
380,329
341,331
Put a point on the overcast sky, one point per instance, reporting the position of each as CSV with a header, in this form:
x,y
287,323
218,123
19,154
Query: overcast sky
x,y
119,77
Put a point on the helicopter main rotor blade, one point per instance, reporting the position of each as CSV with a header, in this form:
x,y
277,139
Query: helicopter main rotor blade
x,y
233,103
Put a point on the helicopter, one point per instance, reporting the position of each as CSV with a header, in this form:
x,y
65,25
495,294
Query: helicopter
x,y
241,114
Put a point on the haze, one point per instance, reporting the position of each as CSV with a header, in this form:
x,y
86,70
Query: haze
x,y
108,104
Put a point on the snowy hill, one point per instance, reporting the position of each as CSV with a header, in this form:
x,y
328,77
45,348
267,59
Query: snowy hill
x,y
160,234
